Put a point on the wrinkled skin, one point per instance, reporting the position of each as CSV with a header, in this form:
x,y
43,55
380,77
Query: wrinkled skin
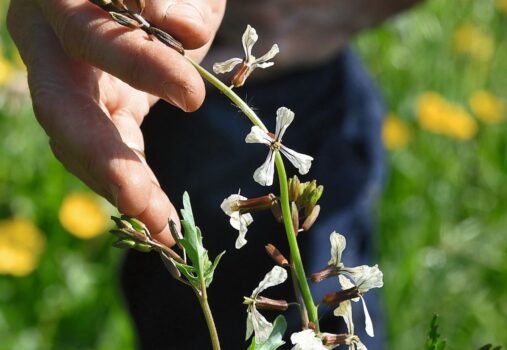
x,y
92,82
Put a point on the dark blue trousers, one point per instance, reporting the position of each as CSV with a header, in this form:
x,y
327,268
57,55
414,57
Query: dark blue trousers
x,y
338,115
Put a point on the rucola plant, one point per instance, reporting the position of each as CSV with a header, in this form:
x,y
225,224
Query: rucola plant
x,y
296,206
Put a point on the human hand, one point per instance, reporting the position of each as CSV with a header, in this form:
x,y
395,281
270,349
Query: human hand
x,y
92,82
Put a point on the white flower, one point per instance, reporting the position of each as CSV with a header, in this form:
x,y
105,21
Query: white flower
x,y
249,63
237,220
264,174
255,322
365,277
345,311
306,340
338,244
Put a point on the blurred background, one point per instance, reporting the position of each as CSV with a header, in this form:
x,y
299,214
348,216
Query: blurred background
x,y
443,70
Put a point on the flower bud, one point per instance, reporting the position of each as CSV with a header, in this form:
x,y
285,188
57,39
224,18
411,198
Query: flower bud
x,y
263,303
294,184
136,224
124,243
295,217
310,219
277,212
143,247
275,254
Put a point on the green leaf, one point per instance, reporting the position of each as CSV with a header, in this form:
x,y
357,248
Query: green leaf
x,y
434,342
208,275
275,338
189,272
192,240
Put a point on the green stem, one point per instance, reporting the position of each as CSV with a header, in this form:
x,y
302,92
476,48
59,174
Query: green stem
x,y
227,91
284,192
208,315
293,244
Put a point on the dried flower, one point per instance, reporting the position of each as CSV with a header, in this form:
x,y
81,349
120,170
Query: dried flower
x,y
264,174
255,322
237,220
249,63
345,311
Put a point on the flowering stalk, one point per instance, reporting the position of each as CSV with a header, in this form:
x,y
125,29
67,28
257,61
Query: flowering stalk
x,y
284,193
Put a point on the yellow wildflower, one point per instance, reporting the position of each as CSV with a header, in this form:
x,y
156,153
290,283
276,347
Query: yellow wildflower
x,y
486,106
21,244
469,39
6,70
501,5
395,132
440,116
83,215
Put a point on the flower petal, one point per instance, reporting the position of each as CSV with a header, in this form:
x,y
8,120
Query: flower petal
x,y
267,56
243,222
284,117
229,202
263,65
226,66
368,325
338,244
345,283
306,340
261,326
301,161
264,174
366,277
257,135
345,310
249,39
276,276
360,346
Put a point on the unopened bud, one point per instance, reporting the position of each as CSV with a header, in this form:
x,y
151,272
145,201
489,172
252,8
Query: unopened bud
x,y
167,39
120,4
335,298
277,212
121,224
310,219
136,224
141,4
124,20
124,243
170,266
334,339
295,217
253,205
143,247
263,303
329,271
294,184
275,254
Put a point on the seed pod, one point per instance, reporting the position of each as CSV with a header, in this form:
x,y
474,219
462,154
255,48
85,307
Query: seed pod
x,y
124,20
275,254
310,219
124,243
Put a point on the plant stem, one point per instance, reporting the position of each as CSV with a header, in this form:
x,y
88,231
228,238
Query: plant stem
x,y
293,244
203,300
227,91
284,193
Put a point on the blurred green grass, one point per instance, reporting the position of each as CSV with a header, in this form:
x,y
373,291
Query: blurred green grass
x,y
443,215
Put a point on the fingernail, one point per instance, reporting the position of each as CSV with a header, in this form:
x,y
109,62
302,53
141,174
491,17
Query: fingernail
x,y
175,96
